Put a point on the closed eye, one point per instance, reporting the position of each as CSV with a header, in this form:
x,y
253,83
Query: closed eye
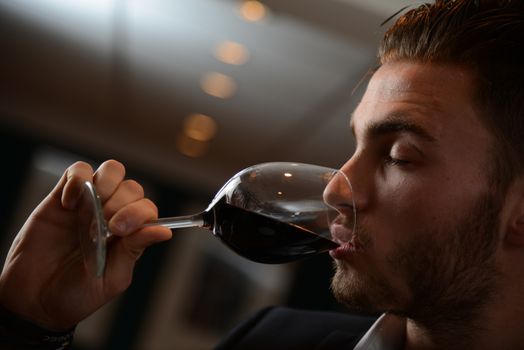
x,y
389,160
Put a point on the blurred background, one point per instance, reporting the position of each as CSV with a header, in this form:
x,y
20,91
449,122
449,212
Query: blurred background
x,y
185,93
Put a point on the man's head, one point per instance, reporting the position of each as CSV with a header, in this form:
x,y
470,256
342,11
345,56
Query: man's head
x,y
439,142
485,37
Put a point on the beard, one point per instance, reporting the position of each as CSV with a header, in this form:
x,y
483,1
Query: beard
x,y
447,273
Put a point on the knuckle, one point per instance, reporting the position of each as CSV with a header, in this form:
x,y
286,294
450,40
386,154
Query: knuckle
x,y
113,166
151,205
134,253
113,163
78,166
133,186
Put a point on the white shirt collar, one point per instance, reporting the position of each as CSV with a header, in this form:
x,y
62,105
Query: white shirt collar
x,y
387,333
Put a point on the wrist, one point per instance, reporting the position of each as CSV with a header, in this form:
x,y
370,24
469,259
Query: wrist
x,y
27,305
23,334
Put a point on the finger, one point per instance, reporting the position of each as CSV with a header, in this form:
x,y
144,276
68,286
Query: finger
x,y
128,191
124,253
132,216
107,178
70,186
136,243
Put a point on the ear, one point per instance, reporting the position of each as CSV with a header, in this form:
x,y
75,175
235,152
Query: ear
x,y
515,205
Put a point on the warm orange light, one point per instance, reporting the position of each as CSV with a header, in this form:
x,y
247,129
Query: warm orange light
x,y
191,147
232,53
218,85
253,10
200,127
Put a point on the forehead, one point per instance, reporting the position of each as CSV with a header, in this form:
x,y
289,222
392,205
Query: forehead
x,y
437,97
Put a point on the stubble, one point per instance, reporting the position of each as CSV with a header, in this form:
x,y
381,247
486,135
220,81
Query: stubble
x,y
449,273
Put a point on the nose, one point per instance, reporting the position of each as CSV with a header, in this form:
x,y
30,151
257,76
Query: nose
x,y
339,194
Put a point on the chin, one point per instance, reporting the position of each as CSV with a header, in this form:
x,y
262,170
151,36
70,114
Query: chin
x,y
352,291
362,293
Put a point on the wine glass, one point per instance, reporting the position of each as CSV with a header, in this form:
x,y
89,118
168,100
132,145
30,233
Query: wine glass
x,y
268,213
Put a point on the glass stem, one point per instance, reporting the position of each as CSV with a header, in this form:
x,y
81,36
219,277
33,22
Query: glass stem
x,y
195,220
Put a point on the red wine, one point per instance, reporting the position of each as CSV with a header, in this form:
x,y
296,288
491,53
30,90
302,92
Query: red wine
x,y
263,239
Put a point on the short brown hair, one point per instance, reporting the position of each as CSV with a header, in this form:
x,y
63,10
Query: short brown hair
x,y
487,38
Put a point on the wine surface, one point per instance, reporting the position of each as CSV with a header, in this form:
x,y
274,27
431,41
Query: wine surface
x,y
263,239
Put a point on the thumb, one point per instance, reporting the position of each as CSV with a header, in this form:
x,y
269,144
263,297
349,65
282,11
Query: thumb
x,y
69,188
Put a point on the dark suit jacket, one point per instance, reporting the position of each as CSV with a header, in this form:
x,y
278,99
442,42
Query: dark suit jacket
x,y
280,328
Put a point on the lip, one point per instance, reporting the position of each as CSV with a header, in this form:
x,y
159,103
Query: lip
x,y
349,245
344,252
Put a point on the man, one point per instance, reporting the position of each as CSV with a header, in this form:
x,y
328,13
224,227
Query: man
x,y
438,186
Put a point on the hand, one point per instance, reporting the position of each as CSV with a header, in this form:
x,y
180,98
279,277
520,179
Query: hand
x,y
44,278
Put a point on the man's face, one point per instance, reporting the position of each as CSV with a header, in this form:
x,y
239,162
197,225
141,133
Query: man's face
x,y
427,220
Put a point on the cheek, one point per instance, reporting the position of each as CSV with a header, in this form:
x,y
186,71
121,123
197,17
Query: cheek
x,y
406,203
421,201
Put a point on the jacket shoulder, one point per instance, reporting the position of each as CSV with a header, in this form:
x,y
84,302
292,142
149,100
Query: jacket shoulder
x,y
285,328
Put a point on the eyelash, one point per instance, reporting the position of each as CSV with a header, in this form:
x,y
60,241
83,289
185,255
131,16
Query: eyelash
x,y
394,161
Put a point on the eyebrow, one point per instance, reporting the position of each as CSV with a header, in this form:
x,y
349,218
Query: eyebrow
x,y
395,124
